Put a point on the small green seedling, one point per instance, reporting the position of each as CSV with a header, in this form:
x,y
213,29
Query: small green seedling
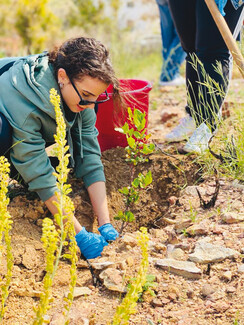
x,y
136,152
148,287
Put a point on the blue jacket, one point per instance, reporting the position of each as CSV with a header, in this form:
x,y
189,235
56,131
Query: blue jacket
x,y
24,101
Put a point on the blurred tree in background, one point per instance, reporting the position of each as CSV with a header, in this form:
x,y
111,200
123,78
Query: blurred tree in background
x,y
36,24
87,14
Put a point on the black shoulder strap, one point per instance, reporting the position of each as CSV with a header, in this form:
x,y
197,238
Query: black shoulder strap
x,y
6,67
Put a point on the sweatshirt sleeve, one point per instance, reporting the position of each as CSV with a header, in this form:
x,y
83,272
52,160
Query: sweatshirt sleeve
x,y
29,157
87,154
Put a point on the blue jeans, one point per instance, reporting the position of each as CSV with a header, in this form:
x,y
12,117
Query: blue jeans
x,y
173,54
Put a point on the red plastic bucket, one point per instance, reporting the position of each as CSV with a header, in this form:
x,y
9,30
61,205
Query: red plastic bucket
x,y
136,95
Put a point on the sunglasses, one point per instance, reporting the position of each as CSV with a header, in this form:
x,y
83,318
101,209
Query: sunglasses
x,y
84,102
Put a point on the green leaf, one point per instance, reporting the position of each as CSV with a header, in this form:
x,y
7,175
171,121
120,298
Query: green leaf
x,y
119,216
125,128
129,216
135,183
124,190
148,178
137,135
131,142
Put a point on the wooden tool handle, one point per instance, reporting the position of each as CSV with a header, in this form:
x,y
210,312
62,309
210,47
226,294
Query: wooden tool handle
x,y
226,34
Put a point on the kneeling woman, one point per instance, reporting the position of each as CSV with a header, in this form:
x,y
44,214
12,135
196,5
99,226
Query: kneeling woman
x,y
80,70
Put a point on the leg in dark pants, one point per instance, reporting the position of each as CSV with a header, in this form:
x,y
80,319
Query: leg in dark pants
x,y
199,35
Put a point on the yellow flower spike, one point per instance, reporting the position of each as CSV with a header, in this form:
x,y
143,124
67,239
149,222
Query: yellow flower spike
x,y
128,304
54,240
5,227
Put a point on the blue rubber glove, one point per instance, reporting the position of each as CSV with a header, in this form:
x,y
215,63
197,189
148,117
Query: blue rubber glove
x,y
221,4
90,244
108,232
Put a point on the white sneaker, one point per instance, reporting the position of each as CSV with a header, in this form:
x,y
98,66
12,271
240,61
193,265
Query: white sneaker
x,y
182,131
178,81
198,142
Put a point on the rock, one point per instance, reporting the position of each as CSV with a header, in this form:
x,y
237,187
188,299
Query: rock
x,y
176,254
80,291
190,294
172,200
129,240
130,261
101,265
159,247
183,268
190,190
183,224
30,258
197,229
227,276
168,221
232,217
113,280
207,290
240,268
82,264
79,314
221,306
157,302
207,253
172,289
26,292
230,289
159,233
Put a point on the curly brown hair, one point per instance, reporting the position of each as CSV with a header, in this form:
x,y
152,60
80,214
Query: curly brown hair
x,y
85,56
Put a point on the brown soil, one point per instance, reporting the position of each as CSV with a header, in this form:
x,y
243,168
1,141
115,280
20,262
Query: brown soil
x,y
162,207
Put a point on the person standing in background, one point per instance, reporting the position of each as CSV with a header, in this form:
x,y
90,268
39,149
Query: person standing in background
x,y
201,39
172,52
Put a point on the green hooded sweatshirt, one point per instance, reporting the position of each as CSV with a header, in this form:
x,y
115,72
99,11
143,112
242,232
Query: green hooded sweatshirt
x,y
25,102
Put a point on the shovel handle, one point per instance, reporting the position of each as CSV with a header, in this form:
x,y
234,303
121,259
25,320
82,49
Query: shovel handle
x,y
226,34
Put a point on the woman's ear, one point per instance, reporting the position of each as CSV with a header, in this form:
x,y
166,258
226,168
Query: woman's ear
x,y
62,76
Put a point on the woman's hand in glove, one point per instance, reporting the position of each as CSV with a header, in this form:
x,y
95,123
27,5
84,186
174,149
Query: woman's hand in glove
x,y
108,232
91,245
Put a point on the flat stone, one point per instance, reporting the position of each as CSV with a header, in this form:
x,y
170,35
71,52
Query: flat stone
x,y
130,240
197,229
24,292
183,224
227,276
190,190
183,268
113,280
80,291
101,265
208,253
241,268
232,217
